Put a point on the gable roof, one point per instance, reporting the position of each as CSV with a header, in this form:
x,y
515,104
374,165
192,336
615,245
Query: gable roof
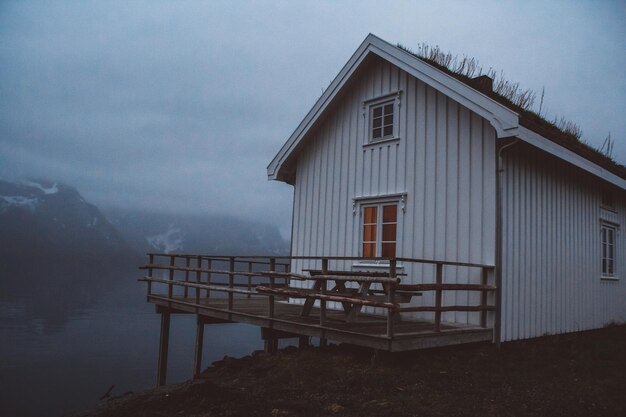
x,y
507,119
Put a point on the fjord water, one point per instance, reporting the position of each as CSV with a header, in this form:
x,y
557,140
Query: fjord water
x,y
63,345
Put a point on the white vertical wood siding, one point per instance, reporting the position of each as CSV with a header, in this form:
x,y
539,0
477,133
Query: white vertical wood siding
x,y
551,256
444,161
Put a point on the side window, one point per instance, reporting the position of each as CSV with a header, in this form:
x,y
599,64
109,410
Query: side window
x,y
608,243
379,230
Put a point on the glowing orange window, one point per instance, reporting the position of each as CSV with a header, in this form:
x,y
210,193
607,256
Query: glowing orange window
x,y
380,230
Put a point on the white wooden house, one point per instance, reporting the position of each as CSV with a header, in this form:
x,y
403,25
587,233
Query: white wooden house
x,y
401,159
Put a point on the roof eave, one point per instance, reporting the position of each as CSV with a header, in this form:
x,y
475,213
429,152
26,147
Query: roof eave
x,y
569,156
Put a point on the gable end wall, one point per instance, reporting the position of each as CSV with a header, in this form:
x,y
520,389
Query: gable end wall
x,y
444,161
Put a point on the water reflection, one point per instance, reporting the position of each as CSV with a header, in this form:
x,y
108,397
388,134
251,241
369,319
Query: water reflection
x,y
64,345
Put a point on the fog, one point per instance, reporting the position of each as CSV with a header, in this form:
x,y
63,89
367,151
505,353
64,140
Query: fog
x,y
180,106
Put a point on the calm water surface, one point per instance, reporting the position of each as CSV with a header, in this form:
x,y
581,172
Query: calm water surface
x,y
59,354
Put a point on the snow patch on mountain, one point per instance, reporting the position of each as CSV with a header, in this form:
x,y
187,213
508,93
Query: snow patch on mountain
x,y
17,201
168,242
53,189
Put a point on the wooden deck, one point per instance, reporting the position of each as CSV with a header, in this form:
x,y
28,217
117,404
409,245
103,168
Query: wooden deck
x,y
369,330
253,290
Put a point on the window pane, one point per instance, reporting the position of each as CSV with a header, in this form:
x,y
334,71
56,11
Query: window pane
x,y
389,250
390,213
370,214
377,122
610,267
389,120
388,131
369,250
389,232
388,108
377,133
377,111
604,268
369,233
610,232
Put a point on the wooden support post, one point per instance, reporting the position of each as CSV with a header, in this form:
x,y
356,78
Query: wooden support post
x,y
231,281
170,286
272,282
303,342
323,291
163,347
323,342
391,297
197,359
270,339
198,278
439,281
483,298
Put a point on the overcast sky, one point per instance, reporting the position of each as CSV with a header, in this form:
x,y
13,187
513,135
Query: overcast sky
x,y
180,106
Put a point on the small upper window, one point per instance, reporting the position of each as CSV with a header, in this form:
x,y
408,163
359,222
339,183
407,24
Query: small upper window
x,y
607,199
381,117
607,240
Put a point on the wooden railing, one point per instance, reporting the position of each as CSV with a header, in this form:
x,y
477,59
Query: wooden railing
x,y
270,276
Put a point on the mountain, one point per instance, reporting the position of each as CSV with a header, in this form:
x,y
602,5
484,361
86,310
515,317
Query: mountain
x,y
46,226
198,234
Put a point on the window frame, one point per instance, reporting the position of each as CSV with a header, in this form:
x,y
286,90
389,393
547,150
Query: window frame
x,y
368,110
605,254
358,206
379,224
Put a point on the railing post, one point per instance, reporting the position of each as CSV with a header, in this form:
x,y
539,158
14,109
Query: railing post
x,y
198,278
439,281
231,281
323,291
150,262
187,263
391,296
170,285
272,282
208,276
287,269
249,278
483,297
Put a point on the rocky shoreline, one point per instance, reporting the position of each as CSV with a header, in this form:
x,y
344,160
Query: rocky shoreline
x,y
578,374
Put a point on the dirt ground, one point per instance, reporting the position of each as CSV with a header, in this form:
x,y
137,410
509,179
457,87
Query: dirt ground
x,y
580,374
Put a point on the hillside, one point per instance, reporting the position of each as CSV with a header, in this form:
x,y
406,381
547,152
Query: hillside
x,y
45,226
195,233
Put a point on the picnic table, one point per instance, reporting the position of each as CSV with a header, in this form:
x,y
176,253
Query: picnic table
x,y
332,286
